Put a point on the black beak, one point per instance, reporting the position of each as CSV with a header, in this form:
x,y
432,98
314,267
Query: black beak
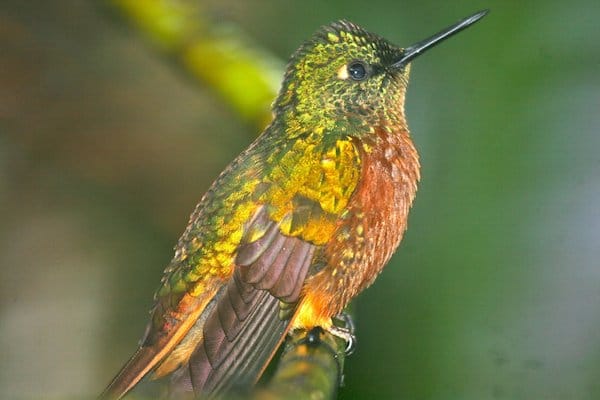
x,y
419,48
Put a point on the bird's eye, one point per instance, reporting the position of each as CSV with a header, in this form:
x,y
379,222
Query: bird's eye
x,y
357,70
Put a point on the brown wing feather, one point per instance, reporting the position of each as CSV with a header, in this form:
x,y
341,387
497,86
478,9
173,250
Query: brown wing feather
x,y
241,335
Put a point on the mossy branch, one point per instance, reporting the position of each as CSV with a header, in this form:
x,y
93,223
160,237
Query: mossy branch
x,y
311,367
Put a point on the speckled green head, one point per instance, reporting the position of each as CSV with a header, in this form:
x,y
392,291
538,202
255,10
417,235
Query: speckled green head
x,y
343,72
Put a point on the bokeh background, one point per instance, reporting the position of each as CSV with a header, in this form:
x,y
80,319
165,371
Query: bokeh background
x,y
106,144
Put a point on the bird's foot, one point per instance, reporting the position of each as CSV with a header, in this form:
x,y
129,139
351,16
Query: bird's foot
x,y
343,327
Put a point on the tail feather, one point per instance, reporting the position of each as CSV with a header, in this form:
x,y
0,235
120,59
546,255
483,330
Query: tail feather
x,y
243,332
142,361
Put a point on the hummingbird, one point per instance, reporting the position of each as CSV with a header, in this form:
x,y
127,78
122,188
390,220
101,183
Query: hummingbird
x,y
297,225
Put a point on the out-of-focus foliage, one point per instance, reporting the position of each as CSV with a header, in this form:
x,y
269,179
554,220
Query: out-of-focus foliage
x,y
220,56
105,148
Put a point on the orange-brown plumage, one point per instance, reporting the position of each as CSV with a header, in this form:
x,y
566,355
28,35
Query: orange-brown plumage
x,y
297,225
371,230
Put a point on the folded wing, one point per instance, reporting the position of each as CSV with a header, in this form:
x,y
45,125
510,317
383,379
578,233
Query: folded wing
x,y
252,313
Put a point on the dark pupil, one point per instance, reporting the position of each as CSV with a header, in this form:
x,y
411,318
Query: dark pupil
x,y
357,71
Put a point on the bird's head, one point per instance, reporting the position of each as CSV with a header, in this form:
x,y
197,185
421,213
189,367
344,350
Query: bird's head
x,y
345,76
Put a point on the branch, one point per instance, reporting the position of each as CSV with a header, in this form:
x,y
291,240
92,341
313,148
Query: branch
x,y
311,367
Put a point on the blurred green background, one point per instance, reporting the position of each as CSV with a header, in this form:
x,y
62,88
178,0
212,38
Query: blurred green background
x,y
106,145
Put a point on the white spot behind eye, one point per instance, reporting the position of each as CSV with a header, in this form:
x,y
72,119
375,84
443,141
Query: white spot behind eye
x,y
343,72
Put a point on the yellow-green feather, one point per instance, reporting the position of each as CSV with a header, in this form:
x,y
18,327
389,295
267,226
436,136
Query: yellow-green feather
x,y
276,172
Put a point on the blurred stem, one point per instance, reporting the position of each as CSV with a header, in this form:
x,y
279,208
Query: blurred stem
x,y
243,74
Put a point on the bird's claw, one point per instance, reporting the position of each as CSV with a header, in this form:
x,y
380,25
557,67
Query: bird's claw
x,y
345,331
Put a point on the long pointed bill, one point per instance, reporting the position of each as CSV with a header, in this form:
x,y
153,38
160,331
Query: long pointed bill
x,y
419,48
